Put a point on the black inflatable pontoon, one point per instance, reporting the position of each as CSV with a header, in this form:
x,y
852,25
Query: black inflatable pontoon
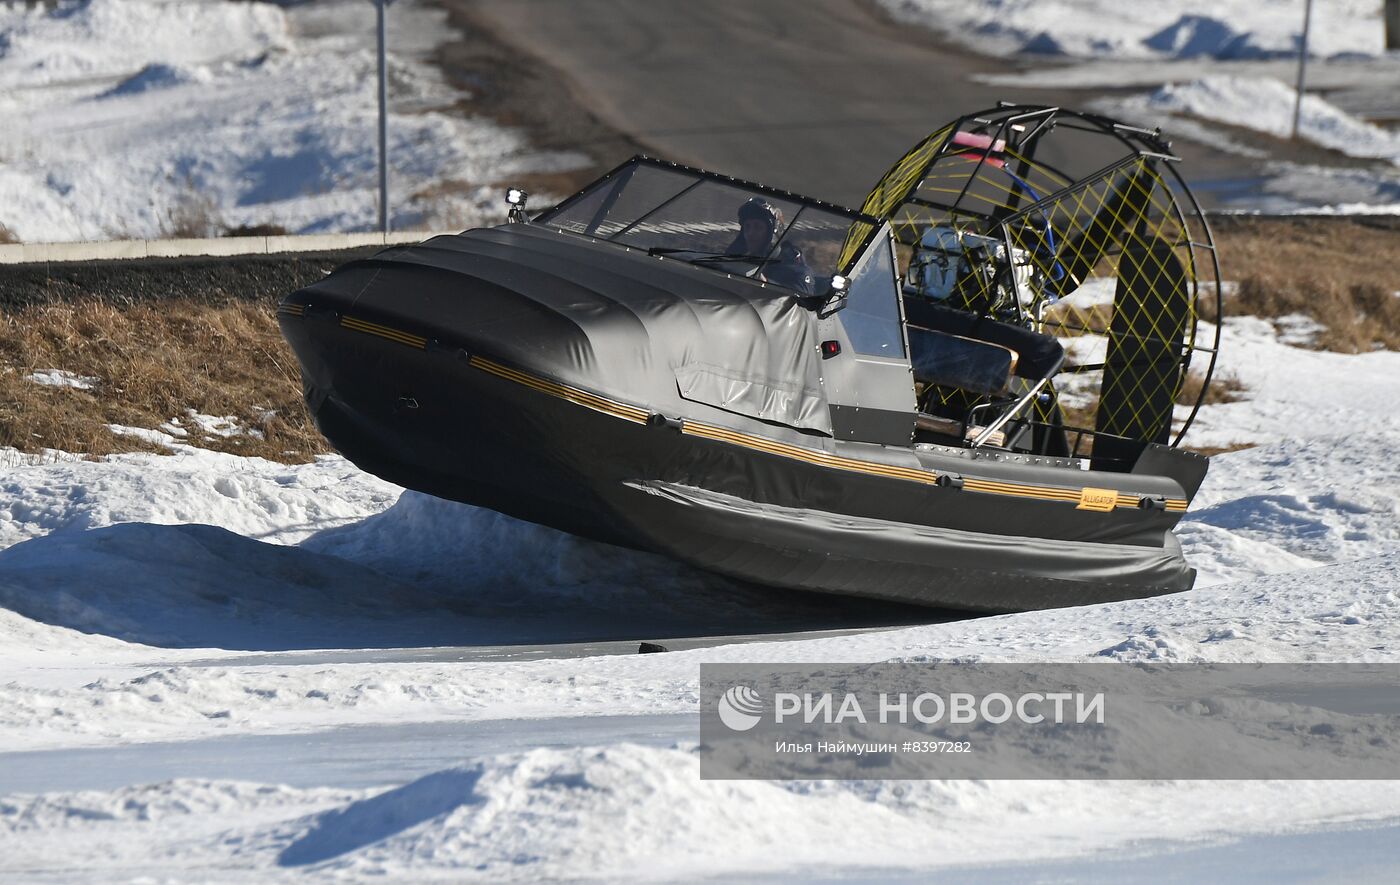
x,y
743,378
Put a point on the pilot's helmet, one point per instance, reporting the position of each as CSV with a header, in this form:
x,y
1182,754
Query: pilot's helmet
x,y
759,208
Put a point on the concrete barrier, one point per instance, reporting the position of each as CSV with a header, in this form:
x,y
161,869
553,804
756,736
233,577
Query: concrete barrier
x,y
31,253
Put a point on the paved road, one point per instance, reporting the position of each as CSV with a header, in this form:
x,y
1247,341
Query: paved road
x,y
817,96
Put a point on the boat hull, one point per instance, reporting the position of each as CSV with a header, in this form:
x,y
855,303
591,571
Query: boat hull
x,y
787,510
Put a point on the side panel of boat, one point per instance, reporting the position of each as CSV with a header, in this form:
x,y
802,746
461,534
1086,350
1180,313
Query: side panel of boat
x,y
863,520
812,549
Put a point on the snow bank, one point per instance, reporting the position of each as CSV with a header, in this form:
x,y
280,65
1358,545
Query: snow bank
x,y
107,554
626,812
214,589
1293,393
88,39
143,118
187,551
258,499
1323,190
1266,105
642,813
202,587
1349,612
1234,29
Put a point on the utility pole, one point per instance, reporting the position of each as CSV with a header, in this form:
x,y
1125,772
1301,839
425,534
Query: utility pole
x,y
1392,24
1302,66
380,8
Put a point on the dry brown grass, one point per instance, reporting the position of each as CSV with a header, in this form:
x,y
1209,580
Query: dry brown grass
x,y
216,347
195,215
256,230
153,361
1340,273
1070,321
1224,388
1212,451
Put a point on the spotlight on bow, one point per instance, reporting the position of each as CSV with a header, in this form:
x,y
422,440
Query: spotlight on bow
x,y
516,198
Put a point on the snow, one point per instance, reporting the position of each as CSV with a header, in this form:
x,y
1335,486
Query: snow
x,y
186,605
1266,105
158,76
155,437
1167,29
1295,393
630,812
103,39
62,378
277,503
1200,65
226,426
1284,617
137,118
150,599
1323,190
169,432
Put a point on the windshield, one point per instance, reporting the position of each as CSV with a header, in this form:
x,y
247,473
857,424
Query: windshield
x,y
711,222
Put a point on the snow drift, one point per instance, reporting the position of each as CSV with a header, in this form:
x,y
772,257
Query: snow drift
x,y
1170,29
143,118
1301,537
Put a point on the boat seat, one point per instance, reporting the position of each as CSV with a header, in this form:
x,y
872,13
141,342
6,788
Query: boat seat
x,y
964,367
958,361
1032,355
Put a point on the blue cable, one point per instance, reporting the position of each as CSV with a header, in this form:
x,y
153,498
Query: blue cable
x,y
1057,273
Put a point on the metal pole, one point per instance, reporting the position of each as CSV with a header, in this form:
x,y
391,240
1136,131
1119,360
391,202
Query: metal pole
x,y
383,121
1302,66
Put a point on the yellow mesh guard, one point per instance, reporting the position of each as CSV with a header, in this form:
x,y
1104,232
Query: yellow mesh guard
x,y
892,190
1114,276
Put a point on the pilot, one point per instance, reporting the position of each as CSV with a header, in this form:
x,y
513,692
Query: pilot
x,y
760,224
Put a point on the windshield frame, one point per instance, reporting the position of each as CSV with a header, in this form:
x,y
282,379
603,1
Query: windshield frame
x,y
702,176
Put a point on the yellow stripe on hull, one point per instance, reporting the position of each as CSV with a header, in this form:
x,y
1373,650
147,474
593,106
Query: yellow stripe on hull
x,y
638,415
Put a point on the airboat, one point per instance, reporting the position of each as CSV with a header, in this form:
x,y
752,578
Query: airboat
x,y
969,393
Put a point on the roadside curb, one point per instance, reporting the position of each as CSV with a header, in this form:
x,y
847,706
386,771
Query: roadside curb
x,y
31,253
